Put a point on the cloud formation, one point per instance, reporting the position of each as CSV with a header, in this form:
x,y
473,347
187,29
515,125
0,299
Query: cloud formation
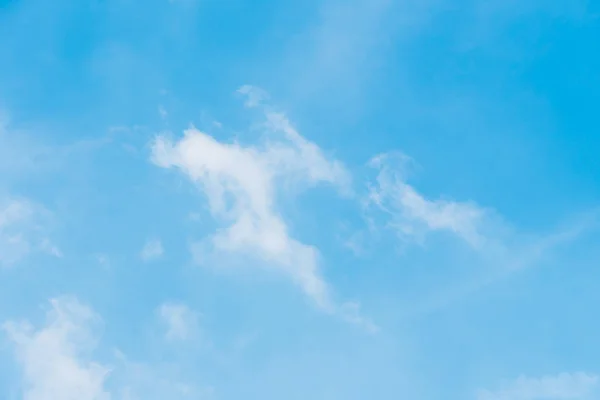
x,y
412,215
22,231
180,321
152,250
55,358
241,182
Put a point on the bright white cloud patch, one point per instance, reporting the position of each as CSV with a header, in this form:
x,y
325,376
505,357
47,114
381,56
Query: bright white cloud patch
x,y
56,363
180,321
240,183
22,231
54,357
565,386
412,214
152,250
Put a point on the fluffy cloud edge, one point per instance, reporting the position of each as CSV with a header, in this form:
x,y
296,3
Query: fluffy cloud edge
x,y
55,358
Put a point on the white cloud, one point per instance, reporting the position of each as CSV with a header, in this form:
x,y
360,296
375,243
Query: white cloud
x,y
354,243
254,96
103,260
14,214
152,250
351,313
412,214
22,231
55,361
50,248
565,386
54,357
180,321
240,183
162,112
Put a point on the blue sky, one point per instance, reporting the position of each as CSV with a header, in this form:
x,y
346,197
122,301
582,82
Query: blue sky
x,y
319,199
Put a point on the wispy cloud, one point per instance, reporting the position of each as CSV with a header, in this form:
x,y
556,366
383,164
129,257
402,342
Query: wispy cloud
x,y
512,259
23,230
240,184
181,322
351,312
56,361
255,96
27,153
103,260
412,215
336,53
55,358
50,248
564,386
499,250
162,112
18,153
152,250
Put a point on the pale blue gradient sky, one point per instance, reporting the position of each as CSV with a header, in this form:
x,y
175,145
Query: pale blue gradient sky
x,y
318,199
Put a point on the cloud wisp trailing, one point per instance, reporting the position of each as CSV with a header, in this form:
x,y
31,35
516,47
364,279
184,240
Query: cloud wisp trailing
x,y
241,184
412,215
500,250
